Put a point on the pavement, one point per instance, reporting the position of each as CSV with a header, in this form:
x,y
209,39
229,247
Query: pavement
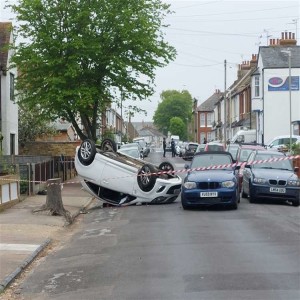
x,y
24,234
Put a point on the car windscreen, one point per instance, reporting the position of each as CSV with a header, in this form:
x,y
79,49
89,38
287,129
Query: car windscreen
x,y
281,165
210,160
245,154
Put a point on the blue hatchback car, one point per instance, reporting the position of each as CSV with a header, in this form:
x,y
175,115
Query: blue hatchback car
x,y
212,179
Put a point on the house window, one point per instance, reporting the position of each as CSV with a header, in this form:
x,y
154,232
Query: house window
x,y
12,87
256,86
12,143
202,120
209,136
202,136
210,119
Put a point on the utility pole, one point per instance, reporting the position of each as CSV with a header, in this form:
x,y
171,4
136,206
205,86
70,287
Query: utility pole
x,y
225,65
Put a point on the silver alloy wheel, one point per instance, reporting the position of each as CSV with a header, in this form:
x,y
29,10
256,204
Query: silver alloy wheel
x,y
86,149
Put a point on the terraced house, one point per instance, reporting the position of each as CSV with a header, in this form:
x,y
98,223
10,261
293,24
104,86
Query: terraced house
x,y
8,107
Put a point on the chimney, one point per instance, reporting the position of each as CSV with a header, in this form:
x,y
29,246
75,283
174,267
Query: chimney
x,y
287,39
253,61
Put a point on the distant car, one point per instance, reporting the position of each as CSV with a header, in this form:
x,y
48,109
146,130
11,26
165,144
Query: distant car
x,y
133,146
144,146
119,179
233,149
270,180
213,186
214,146
282,141
132,152
200,148
190,150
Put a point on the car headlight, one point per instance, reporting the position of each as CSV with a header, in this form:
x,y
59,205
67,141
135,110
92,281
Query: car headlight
x,y
190,185
293,182
259,180
228,184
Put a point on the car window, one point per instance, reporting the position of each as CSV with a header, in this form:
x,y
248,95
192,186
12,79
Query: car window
x,y
284,164
245,154
214,148
210,160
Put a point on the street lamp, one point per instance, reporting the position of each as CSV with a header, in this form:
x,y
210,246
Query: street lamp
x,y
289,52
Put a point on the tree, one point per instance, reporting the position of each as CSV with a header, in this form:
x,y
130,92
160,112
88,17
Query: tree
x,y
32,125
77,57
177,127
174,104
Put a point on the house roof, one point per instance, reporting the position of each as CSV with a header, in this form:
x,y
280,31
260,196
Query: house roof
x,y
61,126
5,31
209,104
148,131
274,57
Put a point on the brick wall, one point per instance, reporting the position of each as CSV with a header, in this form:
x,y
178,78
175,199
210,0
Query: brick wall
x,y
49,148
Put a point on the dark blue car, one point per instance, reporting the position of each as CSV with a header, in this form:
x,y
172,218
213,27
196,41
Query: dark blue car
x,y
217,184
274,179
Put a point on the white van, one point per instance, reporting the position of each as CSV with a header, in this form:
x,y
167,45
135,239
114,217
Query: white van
x,y
244,136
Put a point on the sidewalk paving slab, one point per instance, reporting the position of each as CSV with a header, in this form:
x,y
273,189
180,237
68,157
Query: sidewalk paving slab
x,y
24,234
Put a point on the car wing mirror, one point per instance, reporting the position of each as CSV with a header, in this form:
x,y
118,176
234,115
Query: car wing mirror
x,y
247,166
237,167
296,169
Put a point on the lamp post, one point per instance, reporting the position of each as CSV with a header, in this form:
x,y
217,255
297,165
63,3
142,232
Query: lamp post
x,y
289,52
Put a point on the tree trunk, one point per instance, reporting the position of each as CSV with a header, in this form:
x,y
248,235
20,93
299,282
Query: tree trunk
x,y
54,202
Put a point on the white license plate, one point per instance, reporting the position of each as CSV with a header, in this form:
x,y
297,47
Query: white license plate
x,y
277,190
209,194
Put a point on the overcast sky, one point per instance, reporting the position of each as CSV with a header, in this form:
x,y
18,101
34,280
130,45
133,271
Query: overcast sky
x,y
207,32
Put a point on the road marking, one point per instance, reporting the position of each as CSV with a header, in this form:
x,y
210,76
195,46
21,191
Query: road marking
x,y
18,247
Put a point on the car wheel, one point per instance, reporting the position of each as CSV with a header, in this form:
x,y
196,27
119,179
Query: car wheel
x,y
234,206
166,166
184,206
87,152
109,145
147,177
296,202
252,199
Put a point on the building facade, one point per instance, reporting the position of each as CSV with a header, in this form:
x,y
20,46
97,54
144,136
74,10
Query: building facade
x,y
8,107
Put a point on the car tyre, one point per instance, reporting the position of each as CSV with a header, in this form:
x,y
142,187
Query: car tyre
x,y
87,152
166,166
252,199
296,203
109,145
147,177
184,206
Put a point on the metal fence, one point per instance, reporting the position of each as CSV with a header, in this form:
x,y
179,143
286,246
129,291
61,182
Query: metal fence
x,y
34,171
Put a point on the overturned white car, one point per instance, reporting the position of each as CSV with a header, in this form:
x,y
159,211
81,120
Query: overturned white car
x,y
118,179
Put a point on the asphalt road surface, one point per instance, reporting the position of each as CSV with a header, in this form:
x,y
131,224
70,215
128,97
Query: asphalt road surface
x,y
153,252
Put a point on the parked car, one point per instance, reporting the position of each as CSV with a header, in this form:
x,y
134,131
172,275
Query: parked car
x,y
200,148
282,141
190,150
214,146
132,152
217,184
118,179
270,180
131,145
243,153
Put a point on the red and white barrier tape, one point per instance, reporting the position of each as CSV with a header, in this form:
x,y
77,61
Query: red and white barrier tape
x,y
254,162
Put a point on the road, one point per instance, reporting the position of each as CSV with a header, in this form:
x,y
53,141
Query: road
x,y
153,252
